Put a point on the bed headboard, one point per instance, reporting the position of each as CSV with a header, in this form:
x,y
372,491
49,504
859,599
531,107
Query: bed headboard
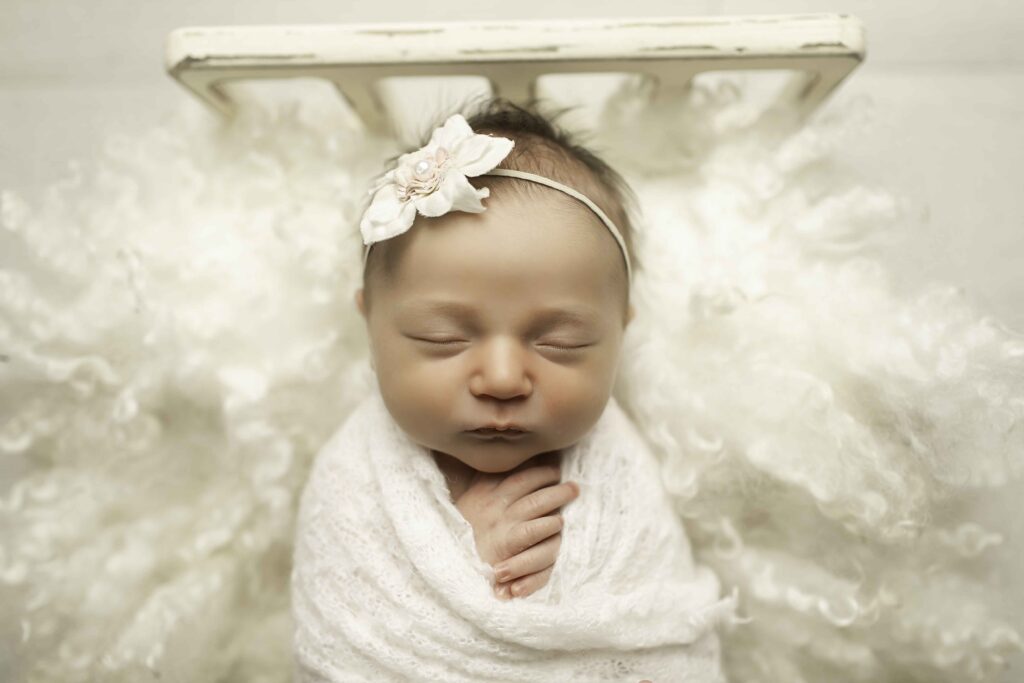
x,y
512,58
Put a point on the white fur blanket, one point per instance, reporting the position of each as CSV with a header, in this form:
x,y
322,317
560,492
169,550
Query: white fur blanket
x,y
387,583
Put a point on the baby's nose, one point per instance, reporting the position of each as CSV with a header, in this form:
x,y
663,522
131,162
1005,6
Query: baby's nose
x,y
502,370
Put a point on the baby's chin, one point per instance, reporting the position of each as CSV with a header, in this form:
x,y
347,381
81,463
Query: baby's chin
x,y
499,463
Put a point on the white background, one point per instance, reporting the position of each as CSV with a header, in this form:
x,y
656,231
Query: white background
x,y
946,79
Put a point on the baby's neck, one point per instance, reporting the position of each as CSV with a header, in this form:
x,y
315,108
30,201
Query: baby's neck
x,y
457,473
460,476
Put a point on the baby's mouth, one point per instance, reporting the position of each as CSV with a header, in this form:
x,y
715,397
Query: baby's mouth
x,y
497,433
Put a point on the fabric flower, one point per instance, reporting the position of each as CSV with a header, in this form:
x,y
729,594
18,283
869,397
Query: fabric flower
x,y
433,180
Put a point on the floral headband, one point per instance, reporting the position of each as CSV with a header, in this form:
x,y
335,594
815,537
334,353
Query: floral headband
x,y
433,181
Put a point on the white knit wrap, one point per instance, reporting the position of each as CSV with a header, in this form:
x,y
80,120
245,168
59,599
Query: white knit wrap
x,y
387,584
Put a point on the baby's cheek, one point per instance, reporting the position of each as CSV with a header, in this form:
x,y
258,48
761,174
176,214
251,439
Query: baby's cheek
x,y
423,382
573,405
415,395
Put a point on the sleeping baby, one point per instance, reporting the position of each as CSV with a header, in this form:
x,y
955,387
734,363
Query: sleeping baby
x,y
489,512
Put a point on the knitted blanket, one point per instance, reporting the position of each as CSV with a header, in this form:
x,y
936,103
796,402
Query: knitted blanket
x,y
387,584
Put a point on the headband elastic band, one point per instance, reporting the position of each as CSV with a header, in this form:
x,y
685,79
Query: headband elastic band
x,y
533,177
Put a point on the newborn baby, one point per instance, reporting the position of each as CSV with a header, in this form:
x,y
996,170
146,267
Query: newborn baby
x,y
495,338
495,334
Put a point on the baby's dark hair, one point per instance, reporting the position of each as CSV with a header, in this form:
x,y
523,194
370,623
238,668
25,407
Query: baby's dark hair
x,y
541,147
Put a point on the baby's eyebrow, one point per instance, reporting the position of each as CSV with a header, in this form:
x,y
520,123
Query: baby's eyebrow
x,y
551,315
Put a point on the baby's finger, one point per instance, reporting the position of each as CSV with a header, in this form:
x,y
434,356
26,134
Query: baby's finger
x,y
533,559
502,591
531,583
531,532
528,480
540,503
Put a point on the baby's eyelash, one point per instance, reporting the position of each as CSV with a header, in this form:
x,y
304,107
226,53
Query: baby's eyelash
x,y
567,348
449,342
433,341
442,341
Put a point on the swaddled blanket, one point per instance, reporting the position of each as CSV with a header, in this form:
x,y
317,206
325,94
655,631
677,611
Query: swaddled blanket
x,y
387,584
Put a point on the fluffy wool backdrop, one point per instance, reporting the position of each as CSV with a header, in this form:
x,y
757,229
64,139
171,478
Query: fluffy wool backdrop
x,y
178,338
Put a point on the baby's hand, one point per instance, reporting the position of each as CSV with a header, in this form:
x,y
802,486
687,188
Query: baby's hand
x,y
512,527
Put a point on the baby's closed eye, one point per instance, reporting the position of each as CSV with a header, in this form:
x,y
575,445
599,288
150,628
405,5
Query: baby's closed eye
x,y
439,341
562,345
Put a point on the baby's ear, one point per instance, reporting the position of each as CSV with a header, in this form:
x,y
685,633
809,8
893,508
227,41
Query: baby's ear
x,y
359,302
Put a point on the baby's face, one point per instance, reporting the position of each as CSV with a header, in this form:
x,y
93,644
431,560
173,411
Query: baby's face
x,y
510,316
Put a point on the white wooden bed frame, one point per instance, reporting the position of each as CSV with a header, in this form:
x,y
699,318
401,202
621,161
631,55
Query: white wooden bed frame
x,y
821,50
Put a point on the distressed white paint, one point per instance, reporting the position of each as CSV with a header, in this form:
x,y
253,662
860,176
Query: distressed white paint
x,y
821,49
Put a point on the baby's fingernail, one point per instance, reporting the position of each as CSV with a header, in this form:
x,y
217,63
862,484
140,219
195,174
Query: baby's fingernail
x,y
517,588
501,572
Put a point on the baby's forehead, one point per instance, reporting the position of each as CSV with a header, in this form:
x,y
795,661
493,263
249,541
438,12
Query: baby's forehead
x,y
519,237
516,265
